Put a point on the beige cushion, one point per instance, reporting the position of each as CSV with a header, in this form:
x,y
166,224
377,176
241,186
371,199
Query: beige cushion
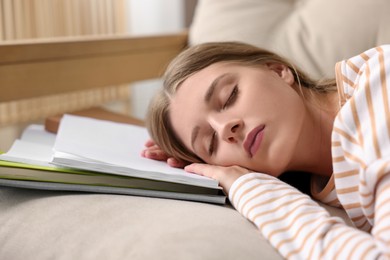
x,y
315,34
55,225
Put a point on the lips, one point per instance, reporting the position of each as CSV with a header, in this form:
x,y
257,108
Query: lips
x,y
253,140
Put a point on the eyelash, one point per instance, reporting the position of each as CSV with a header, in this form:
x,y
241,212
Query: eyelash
x,y
232,97
230,101
211,146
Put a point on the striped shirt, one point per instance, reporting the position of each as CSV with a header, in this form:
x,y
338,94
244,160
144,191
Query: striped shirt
x,y
293,222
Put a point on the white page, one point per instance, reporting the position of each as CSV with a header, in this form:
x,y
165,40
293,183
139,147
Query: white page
x,y
37,134
111,143
34,147
29,153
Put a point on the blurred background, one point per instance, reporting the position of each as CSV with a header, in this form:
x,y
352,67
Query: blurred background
x,y
24,20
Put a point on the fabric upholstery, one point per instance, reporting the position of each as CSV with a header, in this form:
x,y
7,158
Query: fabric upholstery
x,y
66,225
56,225
314,34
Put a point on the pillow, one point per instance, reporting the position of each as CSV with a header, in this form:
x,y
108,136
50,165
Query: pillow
x,y
314,34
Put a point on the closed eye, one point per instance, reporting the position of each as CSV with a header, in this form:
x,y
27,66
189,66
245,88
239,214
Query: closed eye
x,y
230,101
212,143
232,98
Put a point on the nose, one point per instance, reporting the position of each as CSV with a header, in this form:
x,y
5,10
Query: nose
x,y
228,129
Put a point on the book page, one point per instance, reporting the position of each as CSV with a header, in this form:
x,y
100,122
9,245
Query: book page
x,y
29,153
34,147
37,134
114,144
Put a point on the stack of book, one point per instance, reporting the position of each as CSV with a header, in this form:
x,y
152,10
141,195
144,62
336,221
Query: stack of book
x,y
91,155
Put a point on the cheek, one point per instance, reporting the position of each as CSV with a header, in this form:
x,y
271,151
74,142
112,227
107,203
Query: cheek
x,y
272,103
228,156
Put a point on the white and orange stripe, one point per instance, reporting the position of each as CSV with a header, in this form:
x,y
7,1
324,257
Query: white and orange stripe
x,y
296,225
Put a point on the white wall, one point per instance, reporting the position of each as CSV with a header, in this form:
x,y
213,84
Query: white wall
x,y
152,17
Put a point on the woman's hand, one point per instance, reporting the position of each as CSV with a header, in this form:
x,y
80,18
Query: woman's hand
x,y
224,175
154,152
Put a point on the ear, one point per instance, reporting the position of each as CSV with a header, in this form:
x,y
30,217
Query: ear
x,y
283,71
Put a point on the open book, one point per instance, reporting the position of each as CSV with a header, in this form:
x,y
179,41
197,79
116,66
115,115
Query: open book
x,y
98,156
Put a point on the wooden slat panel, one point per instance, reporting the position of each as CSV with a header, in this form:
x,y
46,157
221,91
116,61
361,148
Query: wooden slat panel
x,y
8,19
2,25
70,47
43,68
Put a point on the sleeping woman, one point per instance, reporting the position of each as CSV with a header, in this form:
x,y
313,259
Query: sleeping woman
x,y
247,117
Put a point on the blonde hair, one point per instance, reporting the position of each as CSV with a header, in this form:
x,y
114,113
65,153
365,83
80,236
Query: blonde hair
x,y
195,59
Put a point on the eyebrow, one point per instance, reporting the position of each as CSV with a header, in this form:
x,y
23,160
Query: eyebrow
x,y
207,97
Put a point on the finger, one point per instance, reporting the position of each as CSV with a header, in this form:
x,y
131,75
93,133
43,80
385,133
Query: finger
x,y
200,168
154,148
191,168
155,152
176,163
147,152
156,155
149,143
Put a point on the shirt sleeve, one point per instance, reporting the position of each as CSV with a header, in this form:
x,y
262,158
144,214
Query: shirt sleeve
x,y
292,222
362,130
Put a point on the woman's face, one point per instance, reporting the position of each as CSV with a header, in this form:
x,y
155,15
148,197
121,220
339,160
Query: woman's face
x,y
230,114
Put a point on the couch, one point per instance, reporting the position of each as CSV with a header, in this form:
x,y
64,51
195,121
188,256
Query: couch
x,y
69,225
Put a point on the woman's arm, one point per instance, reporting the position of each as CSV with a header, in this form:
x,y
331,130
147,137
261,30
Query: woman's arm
x,y
297,227
381,228
291,221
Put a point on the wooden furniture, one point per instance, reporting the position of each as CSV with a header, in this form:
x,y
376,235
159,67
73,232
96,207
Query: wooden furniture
x,y
38,68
